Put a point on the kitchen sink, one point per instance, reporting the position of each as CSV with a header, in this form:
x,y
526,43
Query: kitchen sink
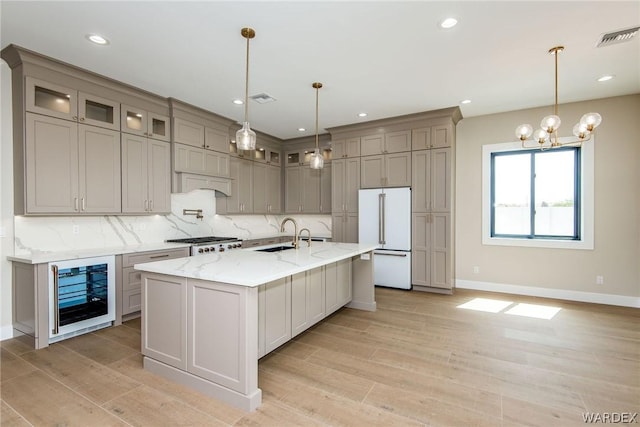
x,y
275,249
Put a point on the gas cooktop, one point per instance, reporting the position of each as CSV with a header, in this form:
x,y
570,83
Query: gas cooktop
x,y
203,240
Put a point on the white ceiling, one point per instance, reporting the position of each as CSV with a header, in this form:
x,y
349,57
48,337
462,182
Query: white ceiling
x,y
384,58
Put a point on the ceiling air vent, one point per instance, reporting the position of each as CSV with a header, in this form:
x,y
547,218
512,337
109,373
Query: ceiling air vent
x,y
262,98
617,36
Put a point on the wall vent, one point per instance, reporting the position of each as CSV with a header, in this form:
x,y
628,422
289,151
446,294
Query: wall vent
x,y
263,98
619,36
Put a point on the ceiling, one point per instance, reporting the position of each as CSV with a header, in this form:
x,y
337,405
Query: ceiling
x,y
383,58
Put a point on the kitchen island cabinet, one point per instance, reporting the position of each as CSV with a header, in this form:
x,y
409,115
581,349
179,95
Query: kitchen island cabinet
x,y
207,319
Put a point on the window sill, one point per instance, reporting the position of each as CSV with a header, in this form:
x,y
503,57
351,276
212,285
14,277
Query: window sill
x,y
539,243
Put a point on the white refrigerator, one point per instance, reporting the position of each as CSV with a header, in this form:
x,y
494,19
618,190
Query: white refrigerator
x,y
385,220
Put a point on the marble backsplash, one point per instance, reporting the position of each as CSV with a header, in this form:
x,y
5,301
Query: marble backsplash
x,y
35,234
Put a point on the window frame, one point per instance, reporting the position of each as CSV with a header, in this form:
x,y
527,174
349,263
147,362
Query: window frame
x,y
533,155
586,197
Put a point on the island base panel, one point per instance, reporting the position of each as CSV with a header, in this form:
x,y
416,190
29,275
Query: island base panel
x,y
364,294
249,402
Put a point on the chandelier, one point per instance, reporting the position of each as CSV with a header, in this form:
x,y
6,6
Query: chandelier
x,y
316,161
245,137
547,136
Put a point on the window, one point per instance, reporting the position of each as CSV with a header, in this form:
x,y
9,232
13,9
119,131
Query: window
x,y
536,194
520,207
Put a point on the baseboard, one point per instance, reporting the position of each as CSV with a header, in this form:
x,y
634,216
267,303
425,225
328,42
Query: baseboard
x,y
593,297
6,332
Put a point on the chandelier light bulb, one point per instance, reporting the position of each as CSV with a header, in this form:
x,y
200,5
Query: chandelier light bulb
x,y
524,131
246,138
591,121
550,123
580,130
540,136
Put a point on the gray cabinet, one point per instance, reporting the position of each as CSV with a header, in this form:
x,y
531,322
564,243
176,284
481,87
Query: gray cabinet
x,y
274,315
302,189
337,285
431,250
139,121
241,173
146,175
386,170
307,300
345,183
432,230
71,104
325,189
128,281
70,168
266,188
345,148
384,143
438,136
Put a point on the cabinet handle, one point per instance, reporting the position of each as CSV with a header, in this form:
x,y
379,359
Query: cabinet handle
x,y
158,256
56,308
75,117
82,119
146,205
84,205
75,203
150,205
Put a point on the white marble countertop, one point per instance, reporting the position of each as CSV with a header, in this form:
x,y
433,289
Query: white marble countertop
x,y
248,267
41,257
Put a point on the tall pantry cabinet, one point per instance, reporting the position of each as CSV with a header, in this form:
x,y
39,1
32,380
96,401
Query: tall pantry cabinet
x,y
416,151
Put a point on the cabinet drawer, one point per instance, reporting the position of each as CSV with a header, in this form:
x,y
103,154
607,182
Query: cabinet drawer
x,y
131,279
129,260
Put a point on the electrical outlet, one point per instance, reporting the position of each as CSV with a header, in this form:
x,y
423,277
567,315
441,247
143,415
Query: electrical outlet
x,y
476,269
599,280
75,229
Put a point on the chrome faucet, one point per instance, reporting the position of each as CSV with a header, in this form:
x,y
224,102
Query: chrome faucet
x,y
295,230
308,235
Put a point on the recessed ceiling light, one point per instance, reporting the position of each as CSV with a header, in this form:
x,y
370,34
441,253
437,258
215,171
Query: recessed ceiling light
x,y
448,23
465,101
605,78
97,39
362,114
238,101
301,129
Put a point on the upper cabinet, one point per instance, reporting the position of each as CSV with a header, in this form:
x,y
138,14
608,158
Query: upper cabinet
x,y
302,157
138,121
439,136
346,148
70,168
383,143
71,104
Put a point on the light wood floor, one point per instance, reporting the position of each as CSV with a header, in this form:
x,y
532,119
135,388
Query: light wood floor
x,y
418,360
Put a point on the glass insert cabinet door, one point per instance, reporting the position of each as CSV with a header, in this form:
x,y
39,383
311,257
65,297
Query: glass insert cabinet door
x,y
140,122
70,104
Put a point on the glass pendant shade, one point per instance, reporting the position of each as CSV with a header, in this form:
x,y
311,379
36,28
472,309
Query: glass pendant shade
x,y
246,138
540,136
550,123
316,161
580,130
591,120
524,131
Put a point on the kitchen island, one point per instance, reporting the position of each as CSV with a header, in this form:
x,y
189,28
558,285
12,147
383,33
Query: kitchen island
x,y
206,320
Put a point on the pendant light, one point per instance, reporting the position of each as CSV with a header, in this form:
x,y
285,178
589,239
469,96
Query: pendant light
x,y
316,161
547,136
245,137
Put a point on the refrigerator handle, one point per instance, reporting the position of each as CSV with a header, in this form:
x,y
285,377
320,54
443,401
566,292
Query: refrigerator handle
x,y
382,218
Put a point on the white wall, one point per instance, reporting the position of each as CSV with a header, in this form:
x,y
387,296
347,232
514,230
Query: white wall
x,y
559,273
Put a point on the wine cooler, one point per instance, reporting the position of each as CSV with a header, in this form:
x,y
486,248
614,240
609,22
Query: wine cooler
x,y
81,295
